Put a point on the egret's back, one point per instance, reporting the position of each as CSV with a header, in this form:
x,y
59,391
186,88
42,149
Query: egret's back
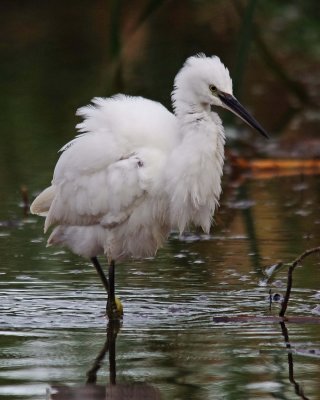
x,y
113,128
134,121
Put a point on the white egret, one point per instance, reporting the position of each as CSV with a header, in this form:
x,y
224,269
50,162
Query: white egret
x,y
137,171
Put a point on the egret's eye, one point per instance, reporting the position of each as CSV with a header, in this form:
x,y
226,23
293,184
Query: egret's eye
x,y
213,89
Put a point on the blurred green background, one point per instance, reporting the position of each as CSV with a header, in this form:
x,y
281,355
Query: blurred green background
x,y
57,55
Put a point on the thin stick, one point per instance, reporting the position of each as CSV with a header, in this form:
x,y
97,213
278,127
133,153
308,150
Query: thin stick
x,y
292,267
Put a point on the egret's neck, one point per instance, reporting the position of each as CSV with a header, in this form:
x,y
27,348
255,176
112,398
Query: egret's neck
x,y
202,137
188,112
197,163
198,122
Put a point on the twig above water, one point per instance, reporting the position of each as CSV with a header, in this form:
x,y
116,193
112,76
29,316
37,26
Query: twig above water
x,y
292,267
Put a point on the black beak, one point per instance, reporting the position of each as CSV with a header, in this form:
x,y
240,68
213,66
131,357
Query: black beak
x,y
233,105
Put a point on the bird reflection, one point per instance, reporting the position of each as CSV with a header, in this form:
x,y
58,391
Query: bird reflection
x,y
113,390
108,347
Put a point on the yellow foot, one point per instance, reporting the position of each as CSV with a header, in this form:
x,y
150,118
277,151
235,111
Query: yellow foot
x,y
115,310
119,306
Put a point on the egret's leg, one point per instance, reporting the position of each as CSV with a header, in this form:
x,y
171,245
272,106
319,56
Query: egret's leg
x,y
111,305
101,274
114,310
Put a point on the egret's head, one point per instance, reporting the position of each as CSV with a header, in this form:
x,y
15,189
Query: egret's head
x,y
205,81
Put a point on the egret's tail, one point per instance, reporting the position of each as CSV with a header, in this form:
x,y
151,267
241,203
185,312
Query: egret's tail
x,y
42,203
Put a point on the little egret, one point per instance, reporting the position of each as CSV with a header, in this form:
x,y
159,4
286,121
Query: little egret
x,y
136,170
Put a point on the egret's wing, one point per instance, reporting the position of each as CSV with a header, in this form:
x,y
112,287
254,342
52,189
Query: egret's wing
x,y
103,196
98,178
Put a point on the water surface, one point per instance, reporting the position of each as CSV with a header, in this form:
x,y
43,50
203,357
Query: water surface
x,y
52,323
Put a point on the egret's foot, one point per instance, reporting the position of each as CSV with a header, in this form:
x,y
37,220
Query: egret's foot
x,y
114,309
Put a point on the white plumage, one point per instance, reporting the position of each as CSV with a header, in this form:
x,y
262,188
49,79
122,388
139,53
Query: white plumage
x,y
137,171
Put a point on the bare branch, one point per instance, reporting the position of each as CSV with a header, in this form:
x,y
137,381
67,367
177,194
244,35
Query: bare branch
x,y
292,267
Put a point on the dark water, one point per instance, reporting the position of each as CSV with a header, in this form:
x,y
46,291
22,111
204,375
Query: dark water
x,y
52,324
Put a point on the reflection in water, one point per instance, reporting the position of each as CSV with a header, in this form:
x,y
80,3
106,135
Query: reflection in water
x,y
113,391
109,346
116,391
297,387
